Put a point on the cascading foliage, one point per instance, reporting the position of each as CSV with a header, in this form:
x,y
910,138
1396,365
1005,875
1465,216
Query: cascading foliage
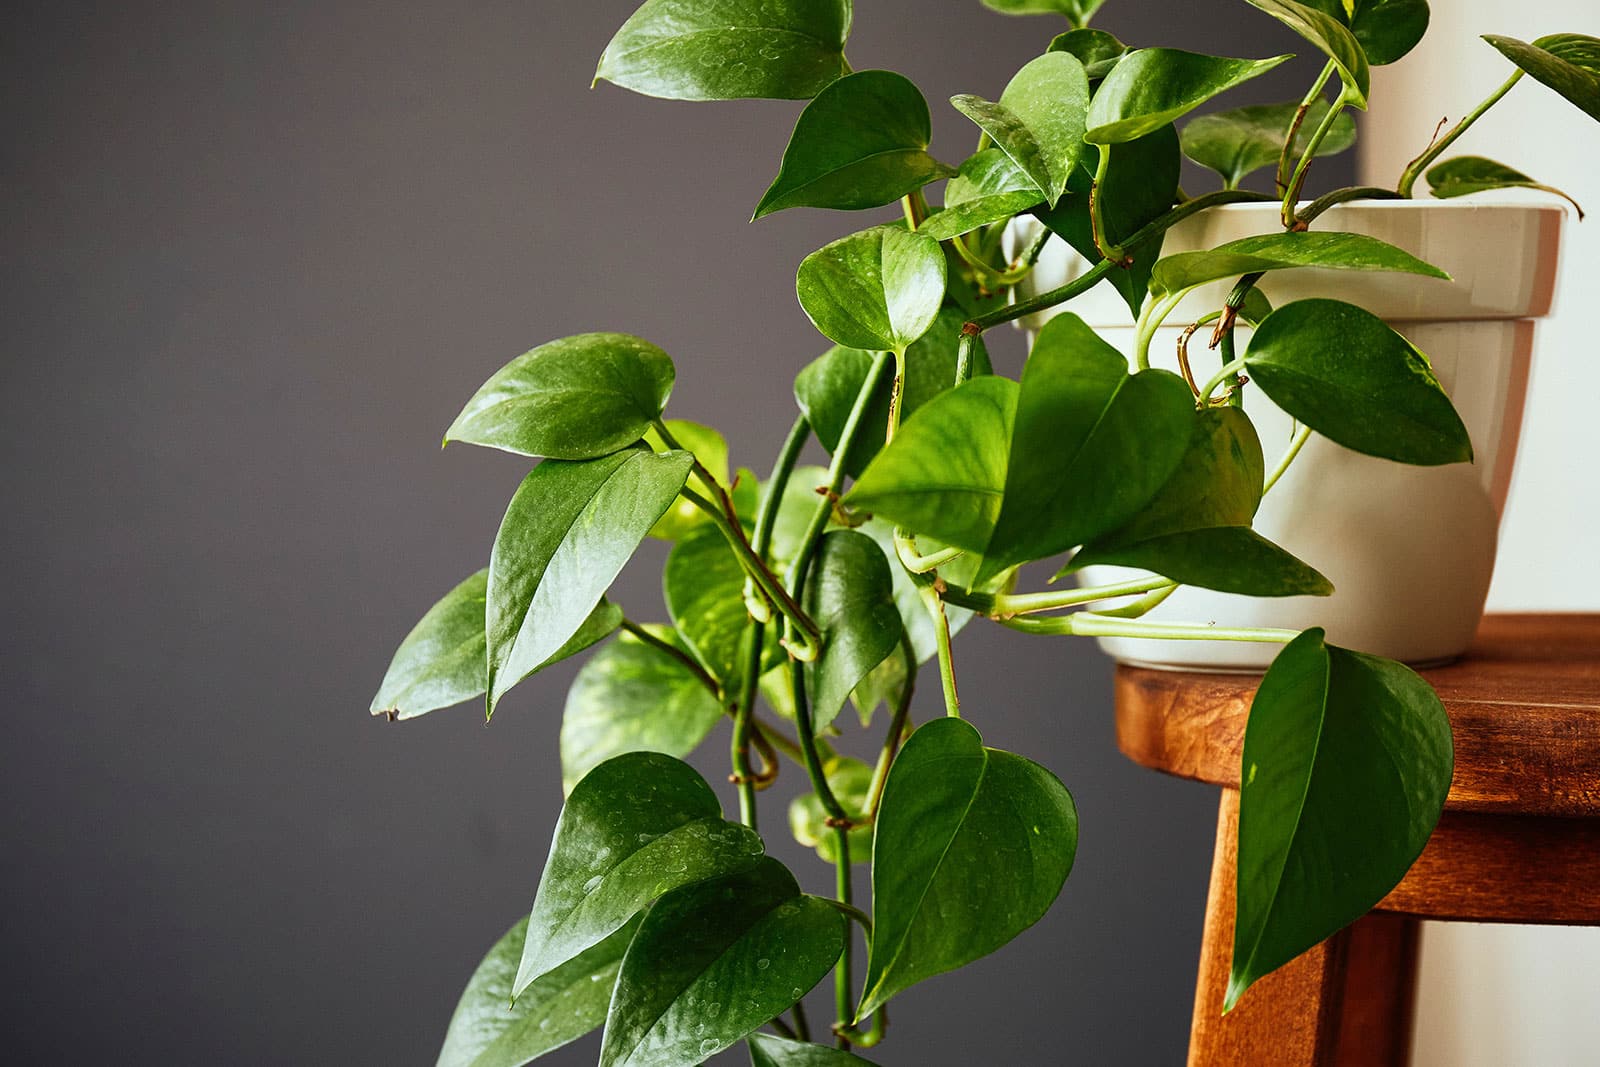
x,y
815,590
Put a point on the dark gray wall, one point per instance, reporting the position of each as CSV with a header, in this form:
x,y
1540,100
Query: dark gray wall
x,y
254,257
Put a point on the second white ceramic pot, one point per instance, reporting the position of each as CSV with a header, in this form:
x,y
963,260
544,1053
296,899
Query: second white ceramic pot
x,y
1410,550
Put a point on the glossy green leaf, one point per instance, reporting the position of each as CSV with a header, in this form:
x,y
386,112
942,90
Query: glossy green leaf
x,y
1465,175
635,827
768,1050
712,962
1141,185
945,471
575,398
567,533
488,1030
1239,142
443,660
632,697
1332,38
1039,119
827,388
1385,29
1372,391
1078,11
850,595
990,188
1232,559
863,142
1327,249
1097,50
1092,444
1152,86
879,289
851,781
729,49
1347,760
1569,63
704,587
973,845
711,449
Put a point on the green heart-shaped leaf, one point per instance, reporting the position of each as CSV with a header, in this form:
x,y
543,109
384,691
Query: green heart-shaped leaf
x,y
1140,186
1091,446
1039,120
973,845
1152,86
488,1030
944,473
711,962
1239,142
1569,63
729,49
827,388
1097,50
711,449
1464,175
879,289
851,781
863,142
1232,559
443,662
1347,761
632,697
575,398
567,533
990,188
637,826
1332,38
1372,392
850,595
766,1050
1285,251
1385,29
1078,11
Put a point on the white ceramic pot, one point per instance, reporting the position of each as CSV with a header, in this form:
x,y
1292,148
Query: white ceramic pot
x,y
1410,550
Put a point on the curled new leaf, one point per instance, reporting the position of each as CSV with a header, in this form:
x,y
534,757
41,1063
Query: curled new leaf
x,y
567,533
973,845
1039,119
1347,761
729,49
863,142
632,697
1332,38
1327,249
713,961
1569,63
879,289
1152,86
1464,175
635,827
1238,142
1372,392
576,398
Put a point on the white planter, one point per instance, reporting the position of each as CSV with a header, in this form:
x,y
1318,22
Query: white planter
x,y
1410,550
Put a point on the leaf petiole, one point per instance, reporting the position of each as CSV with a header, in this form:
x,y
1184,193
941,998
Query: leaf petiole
x,y
1414,169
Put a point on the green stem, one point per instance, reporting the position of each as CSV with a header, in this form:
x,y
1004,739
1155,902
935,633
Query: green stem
x,y
1150,319
855,914
1139,607
810,638
941,632
843,975
1291,195
676,653
969,336
998,275
1339,196
905,549
897,389
1006,605
1414,169
743,715
1301,436
1311,97
1228,370
802,1027
896,734
1097,225
1089,624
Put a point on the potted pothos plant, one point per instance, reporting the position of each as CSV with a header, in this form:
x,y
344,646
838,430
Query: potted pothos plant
x,y
659,915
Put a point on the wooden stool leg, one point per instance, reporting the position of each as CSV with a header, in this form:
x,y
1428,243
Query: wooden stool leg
x,y
1346,1003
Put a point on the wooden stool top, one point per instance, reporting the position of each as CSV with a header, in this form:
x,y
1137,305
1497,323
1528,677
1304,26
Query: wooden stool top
x,y
1524,703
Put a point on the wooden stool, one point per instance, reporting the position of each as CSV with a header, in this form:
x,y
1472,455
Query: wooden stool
x,y
1519,840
